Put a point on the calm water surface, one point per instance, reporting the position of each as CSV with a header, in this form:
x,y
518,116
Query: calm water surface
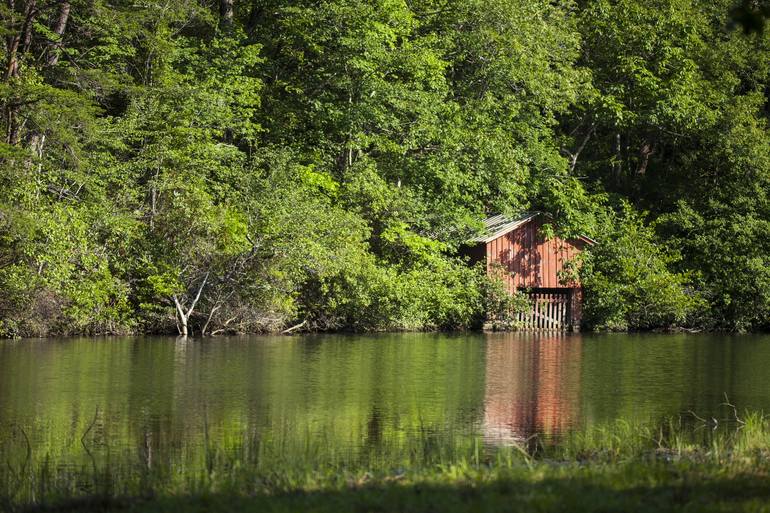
x,y
340,397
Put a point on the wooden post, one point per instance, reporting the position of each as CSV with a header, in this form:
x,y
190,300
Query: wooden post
x,y
576,308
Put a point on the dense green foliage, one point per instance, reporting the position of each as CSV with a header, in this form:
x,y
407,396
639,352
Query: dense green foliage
x,y
628,281
259,165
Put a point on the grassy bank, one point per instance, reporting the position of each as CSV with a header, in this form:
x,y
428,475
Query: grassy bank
x,y
682,464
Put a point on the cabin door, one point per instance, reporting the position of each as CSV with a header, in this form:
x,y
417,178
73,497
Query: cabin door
x,y
550,309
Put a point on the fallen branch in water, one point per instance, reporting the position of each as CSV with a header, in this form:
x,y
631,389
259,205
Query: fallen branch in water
x,y
735,410
289,330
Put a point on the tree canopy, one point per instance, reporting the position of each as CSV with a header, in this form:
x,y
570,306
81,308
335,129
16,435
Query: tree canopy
x,y
257,165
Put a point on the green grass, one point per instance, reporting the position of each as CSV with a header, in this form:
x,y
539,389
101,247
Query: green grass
x,y
669,466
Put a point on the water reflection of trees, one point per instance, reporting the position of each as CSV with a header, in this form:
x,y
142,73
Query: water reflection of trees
x,y
147,403
142,404
532,385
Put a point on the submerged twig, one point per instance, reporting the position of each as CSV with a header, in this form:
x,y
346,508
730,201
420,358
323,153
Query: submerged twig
x,y
85,446
735,410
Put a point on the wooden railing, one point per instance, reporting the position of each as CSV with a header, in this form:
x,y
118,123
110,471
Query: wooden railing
x,y
549,311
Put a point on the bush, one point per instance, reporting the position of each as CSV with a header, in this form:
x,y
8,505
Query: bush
x,y
627,280
500,305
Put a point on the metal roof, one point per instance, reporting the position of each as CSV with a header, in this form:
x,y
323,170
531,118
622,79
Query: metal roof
x,y
500,224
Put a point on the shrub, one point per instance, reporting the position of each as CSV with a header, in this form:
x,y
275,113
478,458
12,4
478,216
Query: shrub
x,y
628,282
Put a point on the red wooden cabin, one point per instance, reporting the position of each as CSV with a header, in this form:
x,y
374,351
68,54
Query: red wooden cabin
x,y
515,249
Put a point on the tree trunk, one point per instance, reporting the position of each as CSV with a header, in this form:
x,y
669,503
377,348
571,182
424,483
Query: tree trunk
x,y
645,152
36,144
211,314
14,132
183,327
27,29
15,39
54,47
618,159
226,12
12,48
254,16
184,316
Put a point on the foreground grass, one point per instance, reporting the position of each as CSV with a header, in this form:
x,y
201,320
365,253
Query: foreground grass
x,y
603,488
617,468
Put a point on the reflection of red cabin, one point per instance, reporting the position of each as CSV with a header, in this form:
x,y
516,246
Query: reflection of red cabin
x,y
532,385
515,249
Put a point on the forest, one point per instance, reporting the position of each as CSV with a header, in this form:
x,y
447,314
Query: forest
x,y
240,166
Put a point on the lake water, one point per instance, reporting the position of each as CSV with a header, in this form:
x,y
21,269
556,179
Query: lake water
x,y
123,402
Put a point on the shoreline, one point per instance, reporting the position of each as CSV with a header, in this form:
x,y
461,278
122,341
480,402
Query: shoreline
x,y
670,331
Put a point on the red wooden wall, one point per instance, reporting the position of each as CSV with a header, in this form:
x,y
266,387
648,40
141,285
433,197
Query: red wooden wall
x,y
529,259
